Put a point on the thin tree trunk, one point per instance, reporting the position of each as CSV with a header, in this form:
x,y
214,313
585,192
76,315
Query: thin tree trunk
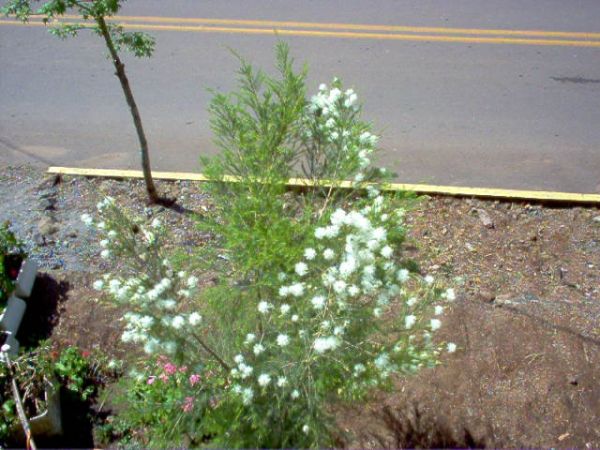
x,y
137,120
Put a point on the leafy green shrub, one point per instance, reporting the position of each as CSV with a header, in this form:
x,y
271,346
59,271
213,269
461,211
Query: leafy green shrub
x,y
316,304
12,253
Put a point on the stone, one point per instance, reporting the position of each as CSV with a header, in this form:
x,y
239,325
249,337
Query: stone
x,y
47,226
485,218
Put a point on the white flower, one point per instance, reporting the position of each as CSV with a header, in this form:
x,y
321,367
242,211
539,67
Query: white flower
x,y
247,396
281,276
348,266
98,285
250,338
338,330
322,87
451,347
338,217
283,340
168,304
155,223
194,318
113,286
284,291
332,231
301,268
104,243
382,361
428,279
177,322
258,349
310,254
321,345
359,368
377,312
450,294
264,379
411,301
285,308
438,310
281,381
353,290
105,254
101,225
387,251
297,289
328,254
5,348
238,359
305,429
318,302
339,286
192,282
87,219
320,233
245,370
409,321
264,307
402,275
295,394
435,324
112,234
295,318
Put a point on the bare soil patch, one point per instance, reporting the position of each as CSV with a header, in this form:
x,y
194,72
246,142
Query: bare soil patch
x,y
526,320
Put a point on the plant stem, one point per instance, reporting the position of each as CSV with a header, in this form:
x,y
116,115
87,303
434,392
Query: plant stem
x,y
30,443
223,364
137,120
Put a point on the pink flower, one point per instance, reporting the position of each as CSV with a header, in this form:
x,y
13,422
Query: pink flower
x,y
183,369
188,404
151,379
194,378
164,377
170,368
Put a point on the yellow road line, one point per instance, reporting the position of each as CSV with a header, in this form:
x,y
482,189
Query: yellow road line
x,y
351,26
344,35
462,191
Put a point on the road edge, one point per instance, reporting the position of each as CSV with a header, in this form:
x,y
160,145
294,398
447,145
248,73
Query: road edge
x,y
456,191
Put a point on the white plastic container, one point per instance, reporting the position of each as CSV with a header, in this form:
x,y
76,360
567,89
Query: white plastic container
x,y
26,278
48,423
13,314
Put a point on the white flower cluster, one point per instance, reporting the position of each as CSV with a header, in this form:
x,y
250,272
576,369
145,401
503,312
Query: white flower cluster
x,y
333,116
149,287
350,271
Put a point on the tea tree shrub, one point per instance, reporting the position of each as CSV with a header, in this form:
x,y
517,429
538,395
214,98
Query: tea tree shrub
x,y
315,305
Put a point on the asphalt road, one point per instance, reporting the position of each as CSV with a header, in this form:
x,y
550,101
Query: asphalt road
x,y
457,103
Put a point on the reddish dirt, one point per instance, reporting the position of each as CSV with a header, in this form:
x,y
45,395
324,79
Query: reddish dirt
x,y
526,320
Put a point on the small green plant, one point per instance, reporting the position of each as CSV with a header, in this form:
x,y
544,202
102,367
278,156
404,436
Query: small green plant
x,y
158,395
12,253
45,369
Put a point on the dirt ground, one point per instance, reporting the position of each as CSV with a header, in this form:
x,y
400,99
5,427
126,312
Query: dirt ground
x,y
526,320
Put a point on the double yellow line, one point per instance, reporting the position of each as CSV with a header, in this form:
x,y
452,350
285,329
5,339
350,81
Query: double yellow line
x,y
345,30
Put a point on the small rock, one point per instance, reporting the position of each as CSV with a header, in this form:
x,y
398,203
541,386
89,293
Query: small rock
x,y
39,240
486,296
501,300
47,226
485,219
47,204
596,219
573,381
